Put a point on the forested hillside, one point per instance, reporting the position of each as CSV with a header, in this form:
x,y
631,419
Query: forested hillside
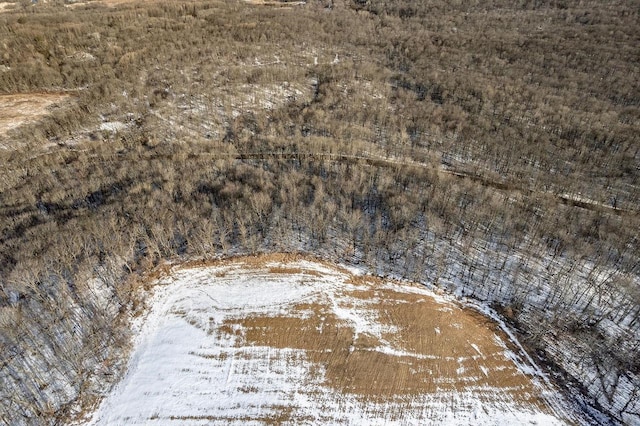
x,y
490,149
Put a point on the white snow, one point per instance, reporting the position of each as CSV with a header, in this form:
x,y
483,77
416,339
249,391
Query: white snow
x,y
112,126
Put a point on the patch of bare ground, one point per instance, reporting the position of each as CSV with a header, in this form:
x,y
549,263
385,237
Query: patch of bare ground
x,y
280,4
5,7
110,3
116,3
18,109
274,262
437,347
282,414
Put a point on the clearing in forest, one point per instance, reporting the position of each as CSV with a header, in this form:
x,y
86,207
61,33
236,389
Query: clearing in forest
x,y
18,109
275,339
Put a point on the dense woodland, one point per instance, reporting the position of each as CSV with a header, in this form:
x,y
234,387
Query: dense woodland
x,y
490,148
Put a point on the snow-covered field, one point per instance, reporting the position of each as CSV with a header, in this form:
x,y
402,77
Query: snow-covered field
x,y
271,340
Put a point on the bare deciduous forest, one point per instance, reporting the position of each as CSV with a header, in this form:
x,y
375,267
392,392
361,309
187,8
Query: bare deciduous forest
x,y
488,147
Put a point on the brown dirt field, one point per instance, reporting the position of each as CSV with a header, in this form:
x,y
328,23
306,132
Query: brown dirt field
x,y
19,109
440,347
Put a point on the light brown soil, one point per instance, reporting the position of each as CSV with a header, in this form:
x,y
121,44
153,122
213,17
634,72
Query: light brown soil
x,y
5,7
260,261
280,4
115,3
440,346
19,109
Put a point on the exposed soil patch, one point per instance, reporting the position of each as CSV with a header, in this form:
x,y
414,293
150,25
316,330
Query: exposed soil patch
x,y
5,7
19,109
111,3
281,4
437,348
